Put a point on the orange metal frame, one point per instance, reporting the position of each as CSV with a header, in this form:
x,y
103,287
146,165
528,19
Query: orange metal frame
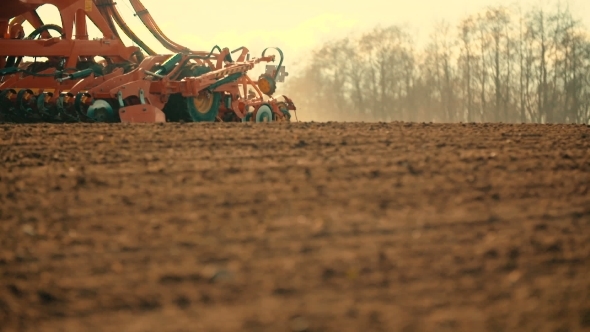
x,y
149,91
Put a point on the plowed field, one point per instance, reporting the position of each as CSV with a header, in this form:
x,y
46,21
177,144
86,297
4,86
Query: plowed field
x,y
295,227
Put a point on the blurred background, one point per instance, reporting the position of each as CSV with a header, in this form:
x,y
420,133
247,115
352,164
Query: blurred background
x,y
420,60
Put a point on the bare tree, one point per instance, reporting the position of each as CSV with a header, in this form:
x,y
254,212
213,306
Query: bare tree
x,y
501,65
439,73
465,64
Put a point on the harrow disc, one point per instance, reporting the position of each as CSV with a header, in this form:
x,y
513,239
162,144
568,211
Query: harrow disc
x,y
285,111
287,115
205,107
264,114
43,107
23,103
101,111
5,105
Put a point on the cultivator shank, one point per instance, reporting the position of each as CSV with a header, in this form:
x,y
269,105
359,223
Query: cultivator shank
x,y
73,79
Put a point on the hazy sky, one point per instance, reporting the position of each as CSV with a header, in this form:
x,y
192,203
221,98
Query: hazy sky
x,y
297,26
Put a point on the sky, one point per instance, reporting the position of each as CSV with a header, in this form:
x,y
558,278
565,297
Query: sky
x,y
297,27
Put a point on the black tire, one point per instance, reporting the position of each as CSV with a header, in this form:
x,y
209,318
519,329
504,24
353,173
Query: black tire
x,y
178,108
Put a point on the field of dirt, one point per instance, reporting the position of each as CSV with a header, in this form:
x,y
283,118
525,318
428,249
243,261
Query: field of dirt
x,y
295,227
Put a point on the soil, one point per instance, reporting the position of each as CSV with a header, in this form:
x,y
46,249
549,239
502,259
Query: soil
x,y
295,227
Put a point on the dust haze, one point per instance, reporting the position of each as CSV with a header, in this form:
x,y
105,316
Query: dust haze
x,y
500,64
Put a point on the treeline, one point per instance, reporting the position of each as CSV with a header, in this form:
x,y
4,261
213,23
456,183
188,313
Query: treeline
x,y
500,65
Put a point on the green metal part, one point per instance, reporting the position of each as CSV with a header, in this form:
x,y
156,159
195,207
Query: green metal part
x,y
81,73
228,79
169,64
280,61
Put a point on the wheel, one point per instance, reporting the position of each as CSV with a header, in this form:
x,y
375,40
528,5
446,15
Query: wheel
x,y
179,108
205,107
264,114
176,109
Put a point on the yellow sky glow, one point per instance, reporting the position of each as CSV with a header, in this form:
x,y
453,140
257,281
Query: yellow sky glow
x,y
295,26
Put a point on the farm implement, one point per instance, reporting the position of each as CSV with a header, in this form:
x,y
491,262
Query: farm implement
x,y
71,78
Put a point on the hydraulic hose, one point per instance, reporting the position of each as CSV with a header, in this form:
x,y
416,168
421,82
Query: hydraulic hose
x,y
152,26
208,56
121,23
103,6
